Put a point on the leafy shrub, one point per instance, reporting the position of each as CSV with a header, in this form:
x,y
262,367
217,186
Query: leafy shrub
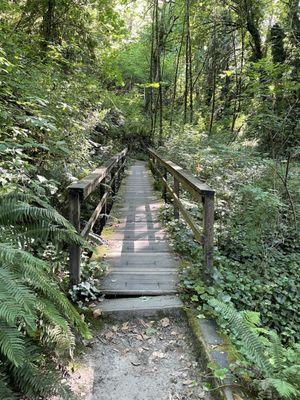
x,y
88,289
279,367
257,247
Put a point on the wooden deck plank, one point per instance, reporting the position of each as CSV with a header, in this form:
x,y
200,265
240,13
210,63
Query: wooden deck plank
x,y
137,252
140,304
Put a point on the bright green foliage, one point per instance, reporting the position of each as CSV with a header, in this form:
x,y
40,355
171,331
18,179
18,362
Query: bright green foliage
x,y
257,246
34,313
280,367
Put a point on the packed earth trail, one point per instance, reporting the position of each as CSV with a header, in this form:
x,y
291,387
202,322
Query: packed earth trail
x,y
145,358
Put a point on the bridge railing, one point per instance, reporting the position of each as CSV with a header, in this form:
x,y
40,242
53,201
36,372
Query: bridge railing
x,y
108,178
200,191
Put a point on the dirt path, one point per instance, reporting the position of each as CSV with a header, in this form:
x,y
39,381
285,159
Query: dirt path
x,y
140,359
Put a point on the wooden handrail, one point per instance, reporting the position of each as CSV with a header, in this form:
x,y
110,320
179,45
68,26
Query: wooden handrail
x,y
191,183
107,177
200,191
88,184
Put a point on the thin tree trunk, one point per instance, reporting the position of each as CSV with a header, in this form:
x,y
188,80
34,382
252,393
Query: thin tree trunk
x,y
190,65
187,72
213,101
159,41
48,22
176,74
151,68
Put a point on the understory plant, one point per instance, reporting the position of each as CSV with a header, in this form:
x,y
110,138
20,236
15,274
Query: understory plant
x,y
37,321
257,254
276,369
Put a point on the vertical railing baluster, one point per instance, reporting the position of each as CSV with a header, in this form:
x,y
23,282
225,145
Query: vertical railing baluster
x,y
103,211
113,181
74,249
208,236
176,191
164,188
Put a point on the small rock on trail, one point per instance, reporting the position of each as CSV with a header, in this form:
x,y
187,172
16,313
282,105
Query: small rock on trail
x,y
140,359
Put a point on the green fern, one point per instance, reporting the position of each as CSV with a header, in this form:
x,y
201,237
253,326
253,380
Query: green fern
x,y
5,391
248,338
35,314
281,372
285,389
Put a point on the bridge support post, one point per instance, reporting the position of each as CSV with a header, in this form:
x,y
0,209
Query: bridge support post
x,y
164,188
208,237
114,181
176,191
103,211
74,250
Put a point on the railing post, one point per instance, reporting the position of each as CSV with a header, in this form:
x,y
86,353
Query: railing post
x,y
103,211
75,251
164,188
113,181
176,191
208,237
123,163
152,164
118,176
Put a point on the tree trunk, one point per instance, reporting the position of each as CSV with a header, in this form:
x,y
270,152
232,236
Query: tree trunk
x,y
48,23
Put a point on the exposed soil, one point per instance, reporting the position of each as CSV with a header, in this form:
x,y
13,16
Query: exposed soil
x,y
140,359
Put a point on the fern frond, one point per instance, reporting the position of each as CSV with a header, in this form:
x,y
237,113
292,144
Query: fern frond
x,y
36,381
12,288
63,341
33,309
5,392
51,314
249,340
292,374
276,351
40,282
11,255
12,344
45,232
12,212
285,389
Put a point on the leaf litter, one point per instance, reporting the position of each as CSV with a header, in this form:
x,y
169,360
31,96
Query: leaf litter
x,y
141,359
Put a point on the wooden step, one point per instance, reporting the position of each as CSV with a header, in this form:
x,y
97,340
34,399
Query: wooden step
x,y
151,234
159,260
139,283
144,303
132,246
135,225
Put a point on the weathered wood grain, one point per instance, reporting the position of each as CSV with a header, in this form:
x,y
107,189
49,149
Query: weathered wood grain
x,y
140,304
137,253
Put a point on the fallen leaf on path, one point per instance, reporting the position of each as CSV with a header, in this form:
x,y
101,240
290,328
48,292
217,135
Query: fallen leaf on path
x,y
97,313
158,354
109,335
165,322
188,382
125,327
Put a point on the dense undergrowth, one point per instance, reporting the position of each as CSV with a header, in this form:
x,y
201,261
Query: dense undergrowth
x,y
257,243
257,255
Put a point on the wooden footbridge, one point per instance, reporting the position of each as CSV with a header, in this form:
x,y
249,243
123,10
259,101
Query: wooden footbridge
x,y
136,249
